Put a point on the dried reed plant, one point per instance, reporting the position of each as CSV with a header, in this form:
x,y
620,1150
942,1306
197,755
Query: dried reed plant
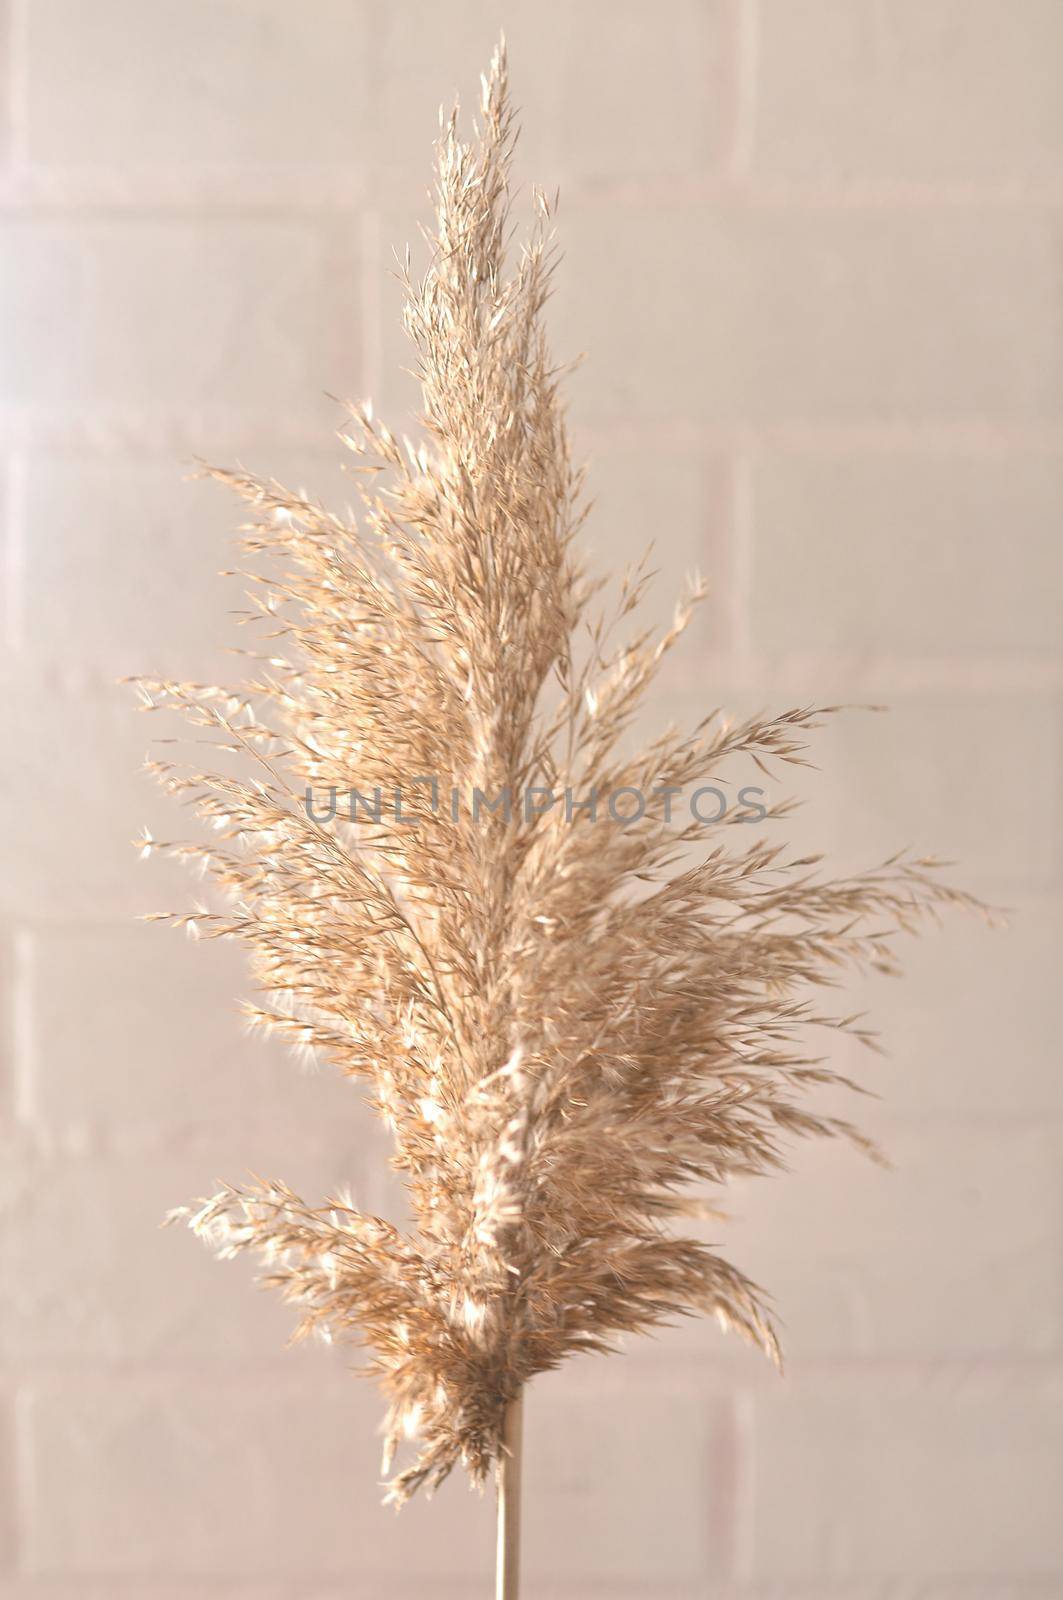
x,y
564,1024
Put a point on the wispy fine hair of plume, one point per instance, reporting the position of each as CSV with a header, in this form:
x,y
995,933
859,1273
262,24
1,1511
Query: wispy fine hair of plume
x,y
564,1025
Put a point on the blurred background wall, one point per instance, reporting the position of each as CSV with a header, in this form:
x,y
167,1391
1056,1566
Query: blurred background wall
x,y
813,252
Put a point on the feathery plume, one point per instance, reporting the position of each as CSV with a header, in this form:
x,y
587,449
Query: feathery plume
x,y
564,1023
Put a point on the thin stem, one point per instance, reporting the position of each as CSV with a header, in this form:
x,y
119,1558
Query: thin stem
x,y
507,1579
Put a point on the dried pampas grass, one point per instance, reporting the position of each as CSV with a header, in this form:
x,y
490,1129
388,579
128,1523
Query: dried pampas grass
x,y
563,1025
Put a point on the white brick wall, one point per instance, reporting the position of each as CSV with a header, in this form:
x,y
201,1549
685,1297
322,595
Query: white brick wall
x,y
812,250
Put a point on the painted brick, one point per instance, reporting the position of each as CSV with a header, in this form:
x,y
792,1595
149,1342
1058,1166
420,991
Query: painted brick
x,y
120,559
946,1257
172,313
10,1530
136,1029
7,81
242,1484
9,1026
907,554
125,85
627,1485
681,506
967,1025
932,1475
74,797
636,101
607,97
968,775
92,1282
971,775
726,314
919,91
87,1589
9,556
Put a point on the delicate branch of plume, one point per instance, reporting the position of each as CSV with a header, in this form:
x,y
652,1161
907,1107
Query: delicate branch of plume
x,y
561,1027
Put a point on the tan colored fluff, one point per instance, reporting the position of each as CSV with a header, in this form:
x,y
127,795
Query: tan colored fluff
x,y
561,1027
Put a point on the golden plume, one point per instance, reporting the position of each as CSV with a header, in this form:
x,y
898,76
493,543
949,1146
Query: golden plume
x,y
563,1021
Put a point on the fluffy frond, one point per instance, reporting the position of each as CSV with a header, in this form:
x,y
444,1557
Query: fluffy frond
x,y
565,1019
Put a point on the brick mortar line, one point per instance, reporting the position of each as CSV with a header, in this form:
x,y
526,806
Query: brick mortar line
x,y
956,1587
745,64
745,669
29,1135
273,194
140,432
745,1487
18,1498
1006,673
22,1062
14,551
729,1369
17,87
